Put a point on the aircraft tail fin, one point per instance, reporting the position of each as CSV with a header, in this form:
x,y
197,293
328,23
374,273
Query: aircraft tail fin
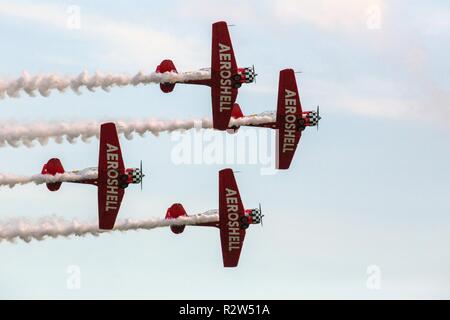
x,y
166,66
52,167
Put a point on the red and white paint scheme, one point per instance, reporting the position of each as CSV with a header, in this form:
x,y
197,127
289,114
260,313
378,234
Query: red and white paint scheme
x,y
112,180
233,218
290,119
226,77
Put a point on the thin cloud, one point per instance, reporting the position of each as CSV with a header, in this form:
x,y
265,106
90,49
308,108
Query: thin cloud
x,y
330,15
234,11
124,41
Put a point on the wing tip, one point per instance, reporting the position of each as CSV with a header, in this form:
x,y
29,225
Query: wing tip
x,y
225,171
105,226
230,265
287,71
108,124
220,23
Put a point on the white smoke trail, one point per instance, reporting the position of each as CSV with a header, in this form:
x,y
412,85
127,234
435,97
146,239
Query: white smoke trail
x,y
17,134
11,180
44,84
54,227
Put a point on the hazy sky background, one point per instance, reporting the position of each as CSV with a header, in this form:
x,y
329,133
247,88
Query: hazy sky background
x,y
370,188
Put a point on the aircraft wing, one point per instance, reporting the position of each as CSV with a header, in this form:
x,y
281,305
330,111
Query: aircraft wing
x,y
231,210
223,68
289,111
110,167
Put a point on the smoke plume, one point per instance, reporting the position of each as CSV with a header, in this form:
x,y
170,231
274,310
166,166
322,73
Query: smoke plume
x,y
12,180
45,84
17,134
55,227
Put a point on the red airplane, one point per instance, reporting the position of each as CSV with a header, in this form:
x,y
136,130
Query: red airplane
x,y
112,178
290,119
226,77
233,218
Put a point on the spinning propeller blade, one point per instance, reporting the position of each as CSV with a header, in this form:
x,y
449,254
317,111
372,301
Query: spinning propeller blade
x,y
318,117
142,174
260,211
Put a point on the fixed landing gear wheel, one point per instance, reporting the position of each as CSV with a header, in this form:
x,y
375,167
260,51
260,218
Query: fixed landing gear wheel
x,y
123,181
237,77
301,124
244,226
237,85
243,220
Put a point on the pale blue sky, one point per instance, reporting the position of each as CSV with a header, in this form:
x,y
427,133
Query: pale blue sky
x,y
370,188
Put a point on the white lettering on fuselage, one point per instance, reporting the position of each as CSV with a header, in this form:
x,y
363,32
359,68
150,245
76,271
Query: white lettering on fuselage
x,y
225,77
112,174
290,119
234,235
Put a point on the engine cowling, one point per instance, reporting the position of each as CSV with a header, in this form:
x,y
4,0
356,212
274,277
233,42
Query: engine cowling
x,y
311,118
253,216
247,75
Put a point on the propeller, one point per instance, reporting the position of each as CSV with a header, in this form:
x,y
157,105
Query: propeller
x,y
318,117
254,73
260,211
142,174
